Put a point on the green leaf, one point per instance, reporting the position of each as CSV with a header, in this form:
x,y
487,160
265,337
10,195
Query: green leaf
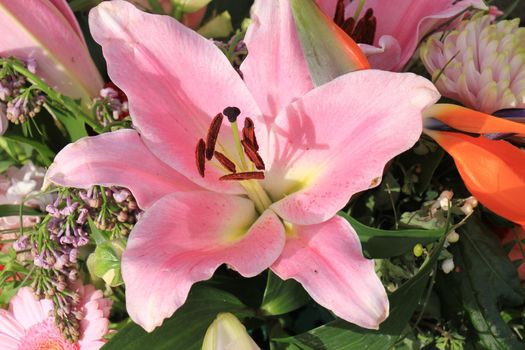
x,y
341,335
328,50
105,261
76,128
186,328
14,210
487,280
281,297
379,243
45,152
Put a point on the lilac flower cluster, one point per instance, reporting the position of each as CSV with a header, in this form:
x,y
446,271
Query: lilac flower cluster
x,y
54,246
111,106
235,50
19,99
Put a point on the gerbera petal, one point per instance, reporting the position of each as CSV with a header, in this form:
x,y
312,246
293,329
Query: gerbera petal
x,y
175,84
27,310
493,171
8,343
327,260
336,140
10,326
182,239
275,70
119,158
469,120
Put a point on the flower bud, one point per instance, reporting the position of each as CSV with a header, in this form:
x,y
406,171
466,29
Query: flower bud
x,y
447,265
226,332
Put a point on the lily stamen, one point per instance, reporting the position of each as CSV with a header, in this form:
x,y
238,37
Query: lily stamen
x,y
252,154
200,151
248,175
247,147
248,133
213,133
225,162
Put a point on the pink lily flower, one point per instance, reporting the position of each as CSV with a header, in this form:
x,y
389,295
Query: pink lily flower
x,y
266,197
390,30
46,32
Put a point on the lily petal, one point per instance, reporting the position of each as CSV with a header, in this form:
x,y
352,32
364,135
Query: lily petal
x,y
46,35
68,14
327,260
469,120
275,70
182,239
175,86
493,171
318,164
119,158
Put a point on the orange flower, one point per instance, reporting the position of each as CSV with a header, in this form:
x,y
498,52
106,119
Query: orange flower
x,y
493,170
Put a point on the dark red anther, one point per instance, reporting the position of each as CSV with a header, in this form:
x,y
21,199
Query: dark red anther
x,y
248,133
253,155
200,156
213,133
363,31
339,16
348,26
249,175
228,164
365,28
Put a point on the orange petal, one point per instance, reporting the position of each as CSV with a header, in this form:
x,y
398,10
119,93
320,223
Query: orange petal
x,y
469,120
329,51
493,171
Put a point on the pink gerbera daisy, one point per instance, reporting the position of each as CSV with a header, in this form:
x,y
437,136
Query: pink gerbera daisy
x,y
30,325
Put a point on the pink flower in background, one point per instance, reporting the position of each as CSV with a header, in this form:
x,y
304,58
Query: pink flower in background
x,y
16,184
480,64
268,200
29,324
46,31
391,39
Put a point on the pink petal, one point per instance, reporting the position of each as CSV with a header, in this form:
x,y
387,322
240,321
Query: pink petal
x,y
176,82
38,29
327,260
8,343
385,55
26,309
182,239
10,326
275,69
68,14
327,6
336,140
407,22
118,158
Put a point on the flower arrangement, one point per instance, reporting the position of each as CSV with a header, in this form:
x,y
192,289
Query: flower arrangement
x,y
267,174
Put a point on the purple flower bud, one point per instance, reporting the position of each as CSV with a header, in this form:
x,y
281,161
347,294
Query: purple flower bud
x,y
73,255
121,196
21,244
82,217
